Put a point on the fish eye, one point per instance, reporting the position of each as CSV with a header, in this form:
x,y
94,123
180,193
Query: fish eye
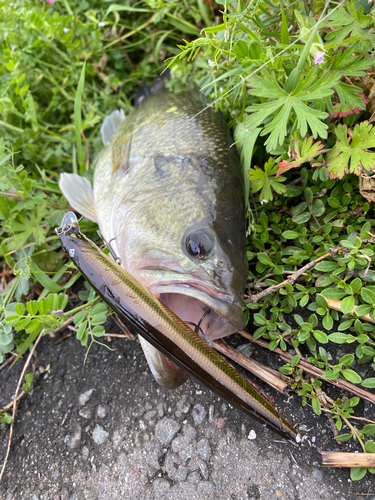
x,y
199,244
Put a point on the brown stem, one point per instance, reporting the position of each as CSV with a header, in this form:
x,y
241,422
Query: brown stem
x,y
293,277
271,377
314,370
341,459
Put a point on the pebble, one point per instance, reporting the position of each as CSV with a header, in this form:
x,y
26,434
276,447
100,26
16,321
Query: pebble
x,y
83,398
204,449
160,409
74,439
318,474
102,411
252,435
189,432
99,435
199,414
194,477
245,349
181,446
150,415
203,468
166,429
85,413
181,473
85,452
160,485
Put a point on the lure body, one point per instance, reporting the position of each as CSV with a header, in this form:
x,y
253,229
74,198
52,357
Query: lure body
x,y
156,323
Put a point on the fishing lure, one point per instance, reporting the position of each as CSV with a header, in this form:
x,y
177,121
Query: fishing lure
x,y
154,321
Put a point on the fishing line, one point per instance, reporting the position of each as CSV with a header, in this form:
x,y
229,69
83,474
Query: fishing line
x,y
179,129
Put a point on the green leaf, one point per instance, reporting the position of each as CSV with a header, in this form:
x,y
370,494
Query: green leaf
x,y
290,235
98,331
317,208
352,376
333,293
346,360
316,406
245,141
326,266
356,473
330,375
351,157
241,49
43,279
265,259
32,307
362,310
368,296
78,120
369,429
320,336
347,304
369,383
284,29
343,437
98,319
370,446
81,330
338,338
260,319
327,321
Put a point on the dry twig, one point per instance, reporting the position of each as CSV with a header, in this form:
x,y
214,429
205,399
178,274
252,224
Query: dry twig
x,y
341,459
314,370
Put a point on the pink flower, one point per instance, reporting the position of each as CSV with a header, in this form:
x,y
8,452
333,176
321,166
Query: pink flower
x,y
50,1
319,57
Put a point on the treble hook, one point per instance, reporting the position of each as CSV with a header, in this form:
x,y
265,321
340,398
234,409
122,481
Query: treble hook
x,y
115,257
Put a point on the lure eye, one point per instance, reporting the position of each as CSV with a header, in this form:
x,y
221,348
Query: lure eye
x,y
199,244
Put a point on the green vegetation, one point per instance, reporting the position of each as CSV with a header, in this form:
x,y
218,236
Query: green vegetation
x,y
299,96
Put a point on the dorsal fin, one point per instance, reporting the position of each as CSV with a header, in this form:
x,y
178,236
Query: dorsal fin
x,y
111,124
79,193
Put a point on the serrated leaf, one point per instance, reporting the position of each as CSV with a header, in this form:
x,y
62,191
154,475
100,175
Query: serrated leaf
x,y
351,157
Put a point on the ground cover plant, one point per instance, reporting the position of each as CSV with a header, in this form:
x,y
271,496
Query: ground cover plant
x,y
295,82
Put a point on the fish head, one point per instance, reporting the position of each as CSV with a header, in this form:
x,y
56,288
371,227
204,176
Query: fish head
x,y
188,254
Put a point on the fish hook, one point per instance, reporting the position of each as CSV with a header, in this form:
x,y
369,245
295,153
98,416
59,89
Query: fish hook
x,y
115,257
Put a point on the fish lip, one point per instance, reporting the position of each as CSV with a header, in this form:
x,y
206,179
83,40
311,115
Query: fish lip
x,y
231,311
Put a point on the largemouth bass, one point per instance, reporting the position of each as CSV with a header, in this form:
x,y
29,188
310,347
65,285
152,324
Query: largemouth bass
x,y
168,195
165,331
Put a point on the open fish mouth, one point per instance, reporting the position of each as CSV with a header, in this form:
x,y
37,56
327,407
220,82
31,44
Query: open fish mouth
x,y
209,315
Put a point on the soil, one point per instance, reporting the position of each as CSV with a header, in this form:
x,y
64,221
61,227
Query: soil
x,y
105,430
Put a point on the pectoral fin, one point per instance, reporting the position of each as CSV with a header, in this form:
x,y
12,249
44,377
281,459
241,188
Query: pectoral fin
x,y
79,193
165,372
111,124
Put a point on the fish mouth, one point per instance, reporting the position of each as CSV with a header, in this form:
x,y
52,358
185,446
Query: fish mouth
x,y
211,313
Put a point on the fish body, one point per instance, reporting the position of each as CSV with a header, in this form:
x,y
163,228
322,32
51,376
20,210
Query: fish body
x,y
165,331
168,197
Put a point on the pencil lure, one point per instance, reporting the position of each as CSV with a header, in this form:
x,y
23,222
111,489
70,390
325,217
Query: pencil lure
x,y
163,329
